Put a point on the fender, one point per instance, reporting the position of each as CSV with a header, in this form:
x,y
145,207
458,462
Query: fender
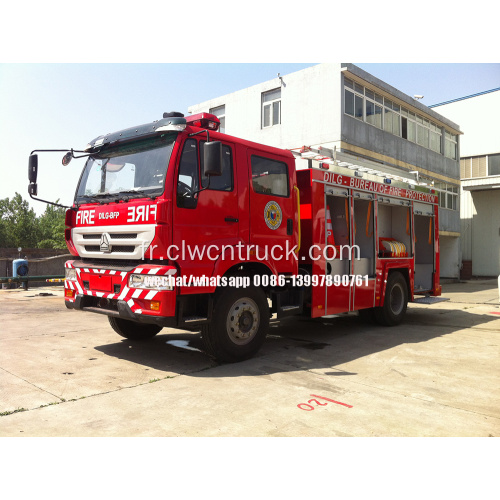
x,y
396,265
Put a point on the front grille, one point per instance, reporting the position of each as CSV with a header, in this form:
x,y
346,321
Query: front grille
x,y
114,248
127,242
123,236
123,249
117,236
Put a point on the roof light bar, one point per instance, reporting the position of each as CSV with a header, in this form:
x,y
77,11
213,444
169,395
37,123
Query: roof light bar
x,y
204,120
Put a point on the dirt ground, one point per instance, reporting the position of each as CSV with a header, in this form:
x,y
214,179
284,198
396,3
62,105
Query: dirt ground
x,y
66,373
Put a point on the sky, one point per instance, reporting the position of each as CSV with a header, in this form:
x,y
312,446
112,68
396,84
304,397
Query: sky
x,y
65,105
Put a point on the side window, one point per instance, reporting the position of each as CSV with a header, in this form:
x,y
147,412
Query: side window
x,y
225,181
269,176
188,180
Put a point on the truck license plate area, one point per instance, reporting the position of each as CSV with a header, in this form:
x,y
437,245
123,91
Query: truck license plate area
x,y
101,283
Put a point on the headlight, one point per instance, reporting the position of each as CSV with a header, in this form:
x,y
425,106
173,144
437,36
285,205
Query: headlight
x,y
70,274
151,282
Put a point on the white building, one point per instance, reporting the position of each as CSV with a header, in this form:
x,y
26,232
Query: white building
x,y
480,180
366,120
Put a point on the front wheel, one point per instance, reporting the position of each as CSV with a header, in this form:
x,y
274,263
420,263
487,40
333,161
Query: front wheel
x,y
239,324
395,302
132,330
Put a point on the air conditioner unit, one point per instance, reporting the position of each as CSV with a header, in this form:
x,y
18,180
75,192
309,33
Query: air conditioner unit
x,y
19,268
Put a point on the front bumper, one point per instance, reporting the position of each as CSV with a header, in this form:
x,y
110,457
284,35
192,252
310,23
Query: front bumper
x,y
105,290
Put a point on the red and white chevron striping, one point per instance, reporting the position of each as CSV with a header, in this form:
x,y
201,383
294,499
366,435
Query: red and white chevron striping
x,y
127,294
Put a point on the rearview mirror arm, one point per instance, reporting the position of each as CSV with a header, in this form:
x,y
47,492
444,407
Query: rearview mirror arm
x,y
52,203
55,151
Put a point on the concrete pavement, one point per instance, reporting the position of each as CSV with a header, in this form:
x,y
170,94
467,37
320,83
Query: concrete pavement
x,y
66,373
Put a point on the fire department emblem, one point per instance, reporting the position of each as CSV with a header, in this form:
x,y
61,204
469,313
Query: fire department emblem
x,y
273,215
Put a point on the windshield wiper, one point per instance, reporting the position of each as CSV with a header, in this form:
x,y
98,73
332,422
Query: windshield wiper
x,y
138,191
95,198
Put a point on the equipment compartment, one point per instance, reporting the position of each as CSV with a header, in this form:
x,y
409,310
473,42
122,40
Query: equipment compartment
x,y
394,228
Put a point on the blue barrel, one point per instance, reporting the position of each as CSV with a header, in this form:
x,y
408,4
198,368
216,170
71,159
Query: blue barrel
x,y
19,268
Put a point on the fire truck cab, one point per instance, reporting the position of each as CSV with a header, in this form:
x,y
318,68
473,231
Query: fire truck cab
x,y
177,225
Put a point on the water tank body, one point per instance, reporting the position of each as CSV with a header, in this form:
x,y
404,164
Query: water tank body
x,y
19,268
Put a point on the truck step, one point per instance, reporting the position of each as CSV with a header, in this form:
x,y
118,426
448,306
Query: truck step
x,y
430,300
290,308
192,319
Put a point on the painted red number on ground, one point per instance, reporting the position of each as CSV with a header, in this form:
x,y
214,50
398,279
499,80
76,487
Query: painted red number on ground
x,y
309,407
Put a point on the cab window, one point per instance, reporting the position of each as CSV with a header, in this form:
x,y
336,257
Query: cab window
x,y
269,176
188,180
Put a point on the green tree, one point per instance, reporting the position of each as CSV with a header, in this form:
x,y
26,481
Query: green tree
x,y
19,226
52,227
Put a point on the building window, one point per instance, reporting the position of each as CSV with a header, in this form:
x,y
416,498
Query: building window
x,y
477,166
422,132
368,106
271,108
349,102
494,164
435,138
220,113
373,109
448,195
450,145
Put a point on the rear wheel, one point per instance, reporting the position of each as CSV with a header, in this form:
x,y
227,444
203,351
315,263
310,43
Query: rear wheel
x,y
239,324
132,330
395,303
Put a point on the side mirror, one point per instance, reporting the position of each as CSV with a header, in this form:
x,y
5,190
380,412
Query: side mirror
x,y
33,168
212,159
67,158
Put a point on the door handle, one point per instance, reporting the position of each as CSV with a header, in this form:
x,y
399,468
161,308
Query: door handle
x,y
231,219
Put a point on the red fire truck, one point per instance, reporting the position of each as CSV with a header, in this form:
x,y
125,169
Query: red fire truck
x,y
177,225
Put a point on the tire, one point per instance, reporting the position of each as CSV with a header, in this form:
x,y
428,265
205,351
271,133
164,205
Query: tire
x,y
239,325
132,330
395,302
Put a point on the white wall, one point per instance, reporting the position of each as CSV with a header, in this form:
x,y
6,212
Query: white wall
x,y
449,257
305,119
478,118
486,233
466,215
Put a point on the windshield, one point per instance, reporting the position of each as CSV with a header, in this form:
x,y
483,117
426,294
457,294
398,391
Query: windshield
x,y
134,170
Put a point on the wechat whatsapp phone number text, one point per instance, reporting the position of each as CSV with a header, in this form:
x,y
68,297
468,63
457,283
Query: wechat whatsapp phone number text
x,y
311,280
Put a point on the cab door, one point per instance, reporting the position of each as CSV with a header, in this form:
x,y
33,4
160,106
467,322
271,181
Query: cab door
x,y
207,217
273,217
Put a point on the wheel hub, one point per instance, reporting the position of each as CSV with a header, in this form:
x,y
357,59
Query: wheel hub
x,y
243,321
